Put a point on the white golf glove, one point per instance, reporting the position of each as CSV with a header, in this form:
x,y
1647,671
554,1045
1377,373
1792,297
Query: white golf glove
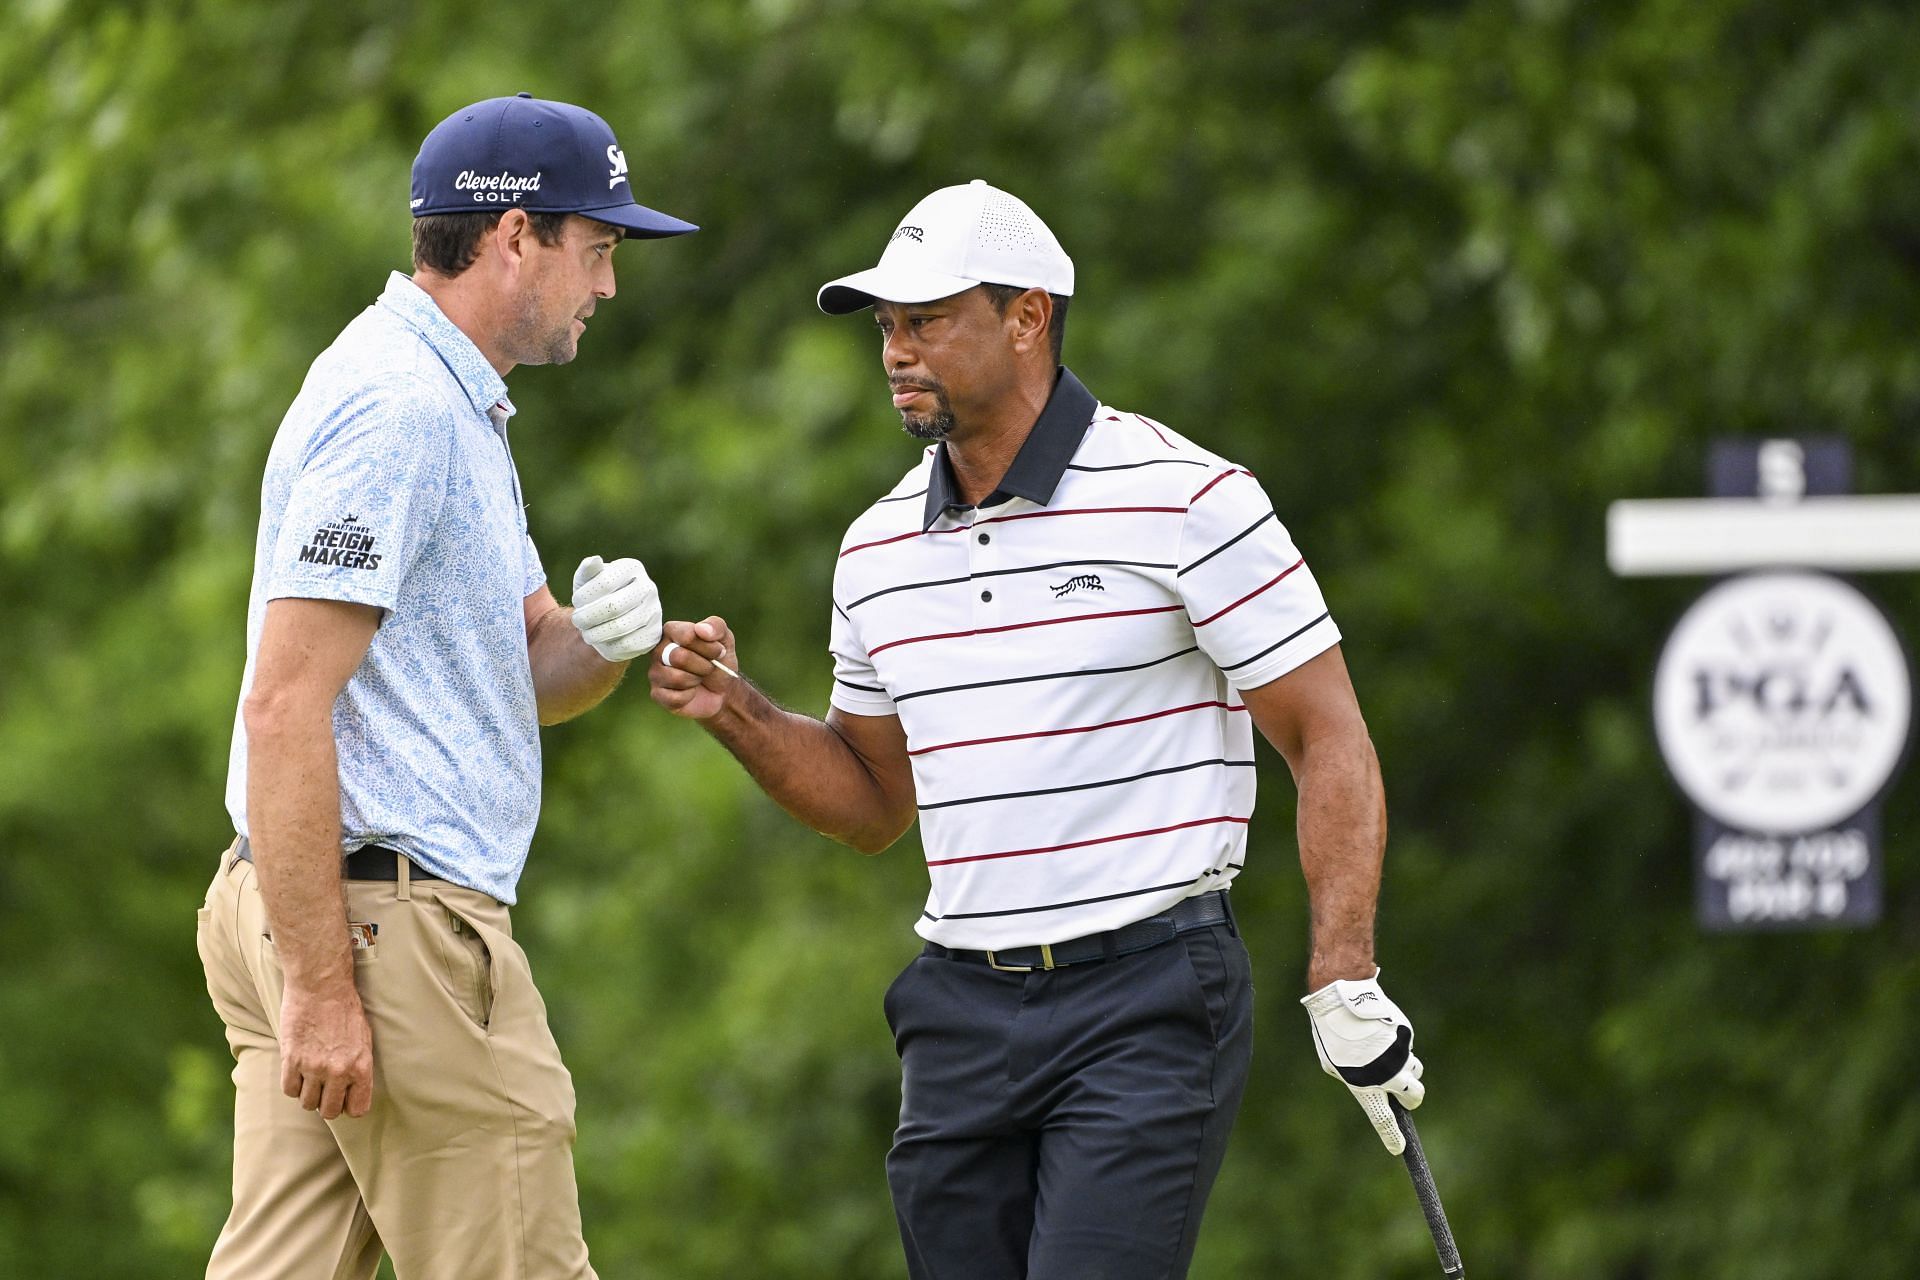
x,y
617,608
1365,1042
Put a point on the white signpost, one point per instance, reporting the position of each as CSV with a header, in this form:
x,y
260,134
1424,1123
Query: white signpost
x,y
1783,700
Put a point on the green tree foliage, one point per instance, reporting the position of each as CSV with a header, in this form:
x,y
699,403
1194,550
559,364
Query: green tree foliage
x,y
1448,277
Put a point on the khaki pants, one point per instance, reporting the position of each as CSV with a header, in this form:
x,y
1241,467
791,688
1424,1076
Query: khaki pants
x,y
463,1170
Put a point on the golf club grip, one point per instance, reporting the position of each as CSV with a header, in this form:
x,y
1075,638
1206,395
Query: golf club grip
x,y
1429,1198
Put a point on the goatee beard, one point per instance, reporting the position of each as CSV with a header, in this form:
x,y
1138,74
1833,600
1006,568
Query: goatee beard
x,y
937,425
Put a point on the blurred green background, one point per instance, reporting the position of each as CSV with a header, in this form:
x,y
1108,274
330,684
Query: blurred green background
x,y
1447,276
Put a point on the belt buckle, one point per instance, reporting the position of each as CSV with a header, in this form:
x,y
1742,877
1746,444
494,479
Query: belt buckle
x,y
1046,961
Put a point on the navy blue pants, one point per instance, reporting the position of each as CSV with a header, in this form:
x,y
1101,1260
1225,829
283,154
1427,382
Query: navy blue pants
x,y
1066,1125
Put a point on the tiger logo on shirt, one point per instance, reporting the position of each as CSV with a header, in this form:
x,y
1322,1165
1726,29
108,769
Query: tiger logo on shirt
x,y
1079,583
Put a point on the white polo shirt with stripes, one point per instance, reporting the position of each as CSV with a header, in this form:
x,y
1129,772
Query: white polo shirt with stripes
x,y
1065,660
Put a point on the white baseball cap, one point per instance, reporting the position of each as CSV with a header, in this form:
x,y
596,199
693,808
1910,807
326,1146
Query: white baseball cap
x,y
954,239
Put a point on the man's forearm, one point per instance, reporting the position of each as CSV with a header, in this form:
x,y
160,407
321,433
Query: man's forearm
x,y
293,820
809,770
1343,832
569,677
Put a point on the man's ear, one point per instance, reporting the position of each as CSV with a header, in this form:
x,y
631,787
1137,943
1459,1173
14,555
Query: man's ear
x,y
512,238
1030,315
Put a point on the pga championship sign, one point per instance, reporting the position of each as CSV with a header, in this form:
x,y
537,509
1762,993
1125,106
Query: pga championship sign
x,y
1782,705
1783,699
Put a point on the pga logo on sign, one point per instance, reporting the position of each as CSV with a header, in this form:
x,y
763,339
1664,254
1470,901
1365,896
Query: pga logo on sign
x,y
1782,702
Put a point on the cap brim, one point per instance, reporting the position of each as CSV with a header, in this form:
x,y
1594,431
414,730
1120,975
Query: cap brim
x,y
888,284
640,222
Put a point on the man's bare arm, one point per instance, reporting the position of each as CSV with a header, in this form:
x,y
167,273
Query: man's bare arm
x,y
308,650
848,778
569,678
1311,717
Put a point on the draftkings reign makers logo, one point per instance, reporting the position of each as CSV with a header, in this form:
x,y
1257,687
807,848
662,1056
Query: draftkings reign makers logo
x,y
1782,702
344,542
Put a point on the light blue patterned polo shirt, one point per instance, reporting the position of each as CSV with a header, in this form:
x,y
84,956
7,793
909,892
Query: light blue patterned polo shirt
x,y
390,484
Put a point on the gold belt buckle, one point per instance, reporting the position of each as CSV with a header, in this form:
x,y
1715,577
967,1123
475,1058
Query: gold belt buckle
x,y
1046,962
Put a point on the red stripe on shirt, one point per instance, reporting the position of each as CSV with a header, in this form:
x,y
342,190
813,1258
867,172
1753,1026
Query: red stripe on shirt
x,y
1081,844
1149,426
899,537
1025,515
1077,511
1251,594
879,649
1237,471
1084,728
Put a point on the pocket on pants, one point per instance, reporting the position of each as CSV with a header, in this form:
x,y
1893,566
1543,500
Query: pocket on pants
x,y
467,962
270,952
888,1005
1213,977
202,939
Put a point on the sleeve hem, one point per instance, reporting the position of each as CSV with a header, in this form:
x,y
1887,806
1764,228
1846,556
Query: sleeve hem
x,y
1311,644
342,592
862,704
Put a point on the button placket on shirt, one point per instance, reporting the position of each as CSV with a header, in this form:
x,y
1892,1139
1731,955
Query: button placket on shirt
x,y
497,418
983,557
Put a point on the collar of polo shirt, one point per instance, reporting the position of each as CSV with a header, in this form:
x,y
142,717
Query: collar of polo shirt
x,y
1041,461
418,311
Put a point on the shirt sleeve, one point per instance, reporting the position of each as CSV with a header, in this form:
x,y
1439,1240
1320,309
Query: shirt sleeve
x,y
1253,602
368,493
856,686
534,573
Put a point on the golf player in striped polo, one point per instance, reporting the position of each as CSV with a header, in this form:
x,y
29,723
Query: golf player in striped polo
x,y
1053,642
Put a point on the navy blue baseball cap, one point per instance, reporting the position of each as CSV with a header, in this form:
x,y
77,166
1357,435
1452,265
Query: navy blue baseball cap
x,y
527,153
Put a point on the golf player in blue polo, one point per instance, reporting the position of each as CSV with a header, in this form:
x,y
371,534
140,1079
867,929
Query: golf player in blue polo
x,y
397,1089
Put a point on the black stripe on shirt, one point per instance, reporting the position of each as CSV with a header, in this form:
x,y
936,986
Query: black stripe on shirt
x,y
864,688
1151,462
1088,786
1275,645
1229,542
1081,902
1051,675
1001,573
904,497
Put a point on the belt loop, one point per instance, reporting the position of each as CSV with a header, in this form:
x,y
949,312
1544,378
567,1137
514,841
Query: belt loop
x,y
404,879
1226,905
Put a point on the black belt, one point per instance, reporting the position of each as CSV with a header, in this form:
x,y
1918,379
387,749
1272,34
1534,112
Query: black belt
x,y
1202,912
369,862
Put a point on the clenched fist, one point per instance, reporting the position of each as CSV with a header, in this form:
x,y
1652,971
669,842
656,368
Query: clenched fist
x,y
617,608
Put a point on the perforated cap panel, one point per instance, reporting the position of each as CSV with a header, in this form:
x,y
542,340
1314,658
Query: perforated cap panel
x,y
1006,226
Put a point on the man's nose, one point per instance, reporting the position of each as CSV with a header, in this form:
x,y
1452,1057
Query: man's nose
x,y
897,352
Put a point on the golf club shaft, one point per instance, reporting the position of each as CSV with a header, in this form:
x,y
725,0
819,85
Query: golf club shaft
x,y
1429,1197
